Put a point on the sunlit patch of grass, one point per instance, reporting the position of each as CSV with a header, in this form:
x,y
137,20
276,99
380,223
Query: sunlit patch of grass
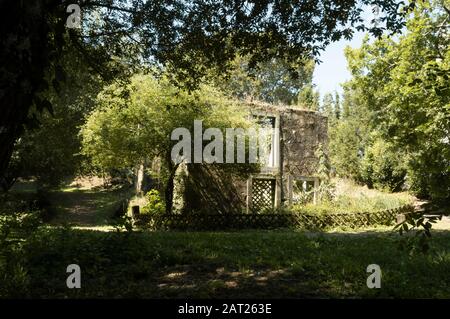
x,y
69,189
104,228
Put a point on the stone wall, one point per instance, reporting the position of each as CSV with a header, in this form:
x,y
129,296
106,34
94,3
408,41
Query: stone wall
x,y
301,133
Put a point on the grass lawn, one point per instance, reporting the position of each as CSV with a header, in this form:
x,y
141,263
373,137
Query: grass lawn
x,y
246,264
253,264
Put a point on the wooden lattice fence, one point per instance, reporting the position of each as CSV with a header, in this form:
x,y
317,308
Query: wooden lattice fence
x,y
200,221
263,194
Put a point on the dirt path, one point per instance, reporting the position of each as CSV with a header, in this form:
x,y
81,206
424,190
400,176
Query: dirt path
x,y
86,208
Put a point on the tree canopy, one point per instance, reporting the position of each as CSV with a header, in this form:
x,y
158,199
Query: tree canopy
x,y
187,38
269,81
133,125
400,96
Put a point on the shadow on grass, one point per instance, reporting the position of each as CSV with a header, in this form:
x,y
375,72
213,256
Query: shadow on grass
x,y
252,264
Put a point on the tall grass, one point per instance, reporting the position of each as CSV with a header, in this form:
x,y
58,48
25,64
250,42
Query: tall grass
x,y
351,198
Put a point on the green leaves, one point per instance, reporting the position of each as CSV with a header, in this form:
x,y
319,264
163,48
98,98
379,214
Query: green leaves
x,y
404,87
154,205
415,230
273,81
126,130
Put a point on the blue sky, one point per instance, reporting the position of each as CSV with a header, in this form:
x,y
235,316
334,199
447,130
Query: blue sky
x,y
333,70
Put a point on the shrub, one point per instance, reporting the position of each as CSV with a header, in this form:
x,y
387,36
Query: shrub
x,y
383,167
418,227
123,223
155,205
15,228
326,191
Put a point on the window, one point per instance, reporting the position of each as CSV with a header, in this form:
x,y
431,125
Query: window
x,y
270,136
302,190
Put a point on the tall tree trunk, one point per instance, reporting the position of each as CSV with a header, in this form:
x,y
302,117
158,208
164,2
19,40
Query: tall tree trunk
x,y
25,55
168,193
169,189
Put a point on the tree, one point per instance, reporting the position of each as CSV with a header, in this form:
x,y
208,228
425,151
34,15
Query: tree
x,y
328,108
186,38
382,168
337,105
347,102
269,81
308,98
134,124
346,147
405,85
50,151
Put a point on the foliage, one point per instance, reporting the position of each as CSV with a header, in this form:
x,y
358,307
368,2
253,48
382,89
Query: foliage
x,y
351,198
16,226
382,168
123,223
270,81
323,166
404,86
308,98
346,145
117,37
133,125
331,108
349,131
416,232
349,204
49,152
326,189
135,122
154,204
303,197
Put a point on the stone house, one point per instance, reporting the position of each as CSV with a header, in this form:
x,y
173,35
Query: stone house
x,y
290,171
291,168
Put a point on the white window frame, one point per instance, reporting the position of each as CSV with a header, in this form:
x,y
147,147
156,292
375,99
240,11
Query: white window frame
x,y
290,186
